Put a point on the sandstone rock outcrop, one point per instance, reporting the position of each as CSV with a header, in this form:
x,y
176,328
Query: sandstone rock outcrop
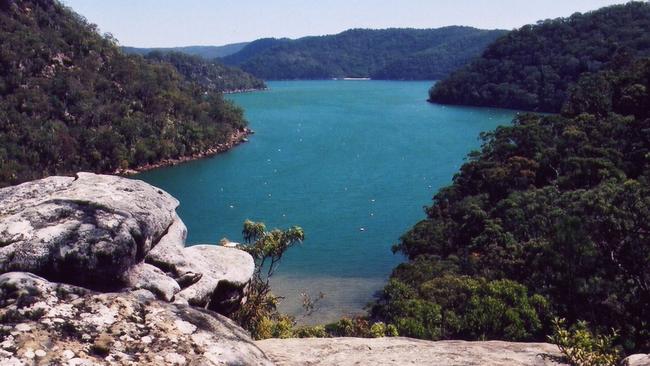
x,y
87,230
406,351
640,359
97,231
94,270
58,324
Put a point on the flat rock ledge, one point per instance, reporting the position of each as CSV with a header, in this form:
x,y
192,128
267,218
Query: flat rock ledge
x,y
406,351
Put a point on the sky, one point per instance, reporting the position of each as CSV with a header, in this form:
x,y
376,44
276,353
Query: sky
x,y
167,23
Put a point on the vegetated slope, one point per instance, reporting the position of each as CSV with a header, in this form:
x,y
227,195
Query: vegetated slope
x,y
550,218
533,67
424,54
210,74
70,100
254,49
207,52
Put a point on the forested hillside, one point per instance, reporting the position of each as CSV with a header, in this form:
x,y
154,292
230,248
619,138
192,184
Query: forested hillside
x,y
550,218
210,74
70,100
533,67
207,52
424,54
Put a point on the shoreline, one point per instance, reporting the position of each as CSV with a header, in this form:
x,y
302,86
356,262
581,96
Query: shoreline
x,y
240,91
238,137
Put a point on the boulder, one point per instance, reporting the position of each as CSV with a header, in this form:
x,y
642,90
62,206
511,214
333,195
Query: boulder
x,y
95,231
87,230
210,276
637,360
148,277
46,323
406,351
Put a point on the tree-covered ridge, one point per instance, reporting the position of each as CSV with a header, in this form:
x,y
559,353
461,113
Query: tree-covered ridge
x,y
207,52
550,218
70,100
210,74
533,67
424,54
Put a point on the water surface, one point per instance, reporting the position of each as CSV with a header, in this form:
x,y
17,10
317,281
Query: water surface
x,y
352,162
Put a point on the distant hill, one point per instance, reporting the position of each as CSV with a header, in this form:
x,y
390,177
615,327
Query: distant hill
x,y
210,74
71,100
208,52
533,67
424,54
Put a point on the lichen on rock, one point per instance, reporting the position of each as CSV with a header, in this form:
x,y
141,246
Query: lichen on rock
x,y
75,288
55,324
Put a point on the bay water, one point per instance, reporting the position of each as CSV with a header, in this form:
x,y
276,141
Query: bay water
x,y
351,162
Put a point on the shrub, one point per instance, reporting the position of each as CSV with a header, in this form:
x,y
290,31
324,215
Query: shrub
x,y
581,347
378,330
453,306
259,314
316,331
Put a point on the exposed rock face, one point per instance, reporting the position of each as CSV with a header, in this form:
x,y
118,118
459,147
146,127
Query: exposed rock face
x,y
211,276
637,360
145,276
46,323
405,351
96,231
86,231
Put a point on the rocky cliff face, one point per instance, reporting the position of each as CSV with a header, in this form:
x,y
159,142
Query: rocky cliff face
x,y
95,270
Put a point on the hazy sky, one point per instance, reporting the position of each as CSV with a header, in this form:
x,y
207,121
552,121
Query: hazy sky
x,y
164,23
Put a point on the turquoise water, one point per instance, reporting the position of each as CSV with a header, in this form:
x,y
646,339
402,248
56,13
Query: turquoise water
x,y
352,162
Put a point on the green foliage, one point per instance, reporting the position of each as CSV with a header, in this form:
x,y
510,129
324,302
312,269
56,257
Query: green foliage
x,y
70,100
277,326
206,52
532,68
463,307
583,348
381,329
551,217
211,75
378,330
259,314
347,327
405,54
315,331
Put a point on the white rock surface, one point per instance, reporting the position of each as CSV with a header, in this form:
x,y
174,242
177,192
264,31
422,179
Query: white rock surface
x,y
114,328
145,276
637,360
86,230
405,351
225,274
96,230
